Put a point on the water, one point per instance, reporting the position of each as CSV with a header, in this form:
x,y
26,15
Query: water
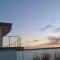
x,y
28,54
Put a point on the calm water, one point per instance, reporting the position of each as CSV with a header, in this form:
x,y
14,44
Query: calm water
x,y
28,55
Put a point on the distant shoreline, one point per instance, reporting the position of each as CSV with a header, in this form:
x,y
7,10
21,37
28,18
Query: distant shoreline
x,y
43,48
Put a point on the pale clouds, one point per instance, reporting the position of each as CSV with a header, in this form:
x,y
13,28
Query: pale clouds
x,y
46,27
52,28
54,40
57,29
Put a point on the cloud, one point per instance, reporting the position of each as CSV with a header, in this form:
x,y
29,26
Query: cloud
x,y
46,27
57,29
35,40
54,40
51,38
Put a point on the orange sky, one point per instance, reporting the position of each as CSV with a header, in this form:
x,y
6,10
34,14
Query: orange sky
x,y
42,46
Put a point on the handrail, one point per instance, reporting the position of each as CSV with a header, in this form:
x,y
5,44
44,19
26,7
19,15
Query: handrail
x,y
16,43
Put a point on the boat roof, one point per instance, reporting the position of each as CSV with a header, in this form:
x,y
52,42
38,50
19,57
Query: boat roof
x,y
5,24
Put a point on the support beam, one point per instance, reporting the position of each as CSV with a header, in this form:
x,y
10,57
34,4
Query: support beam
x,y
1,38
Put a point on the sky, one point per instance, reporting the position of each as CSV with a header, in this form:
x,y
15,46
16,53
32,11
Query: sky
x,y
32,19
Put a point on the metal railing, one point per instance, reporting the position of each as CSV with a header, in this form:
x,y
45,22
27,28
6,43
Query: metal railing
x,y
12,41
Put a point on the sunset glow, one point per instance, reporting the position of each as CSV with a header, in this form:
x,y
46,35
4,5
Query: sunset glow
x,y
36,21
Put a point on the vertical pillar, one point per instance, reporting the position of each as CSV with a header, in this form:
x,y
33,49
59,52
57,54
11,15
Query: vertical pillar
x,y
9,41
18,41
1,38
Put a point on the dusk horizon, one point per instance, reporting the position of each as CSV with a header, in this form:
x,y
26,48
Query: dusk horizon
x,y
36,21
